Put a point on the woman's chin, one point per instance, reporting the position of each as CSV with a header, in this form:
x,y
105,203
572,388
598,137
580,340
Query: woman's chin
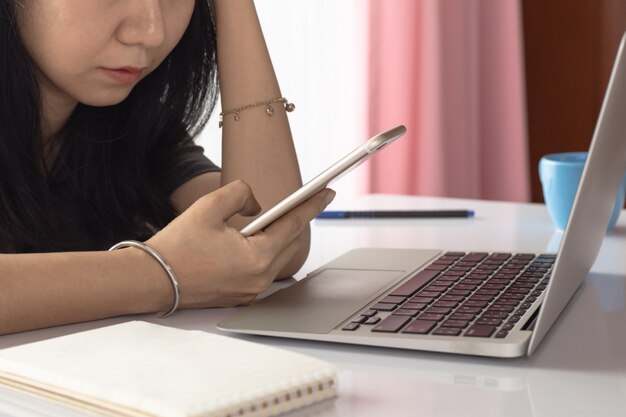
x,y
107,99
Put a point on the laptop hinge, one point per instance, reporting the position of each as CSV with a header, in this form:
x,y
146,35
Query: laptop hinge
x,y
530,323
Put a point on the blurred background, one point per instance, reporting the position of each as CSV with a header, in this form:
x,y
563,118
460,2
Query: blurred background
x,y
485,88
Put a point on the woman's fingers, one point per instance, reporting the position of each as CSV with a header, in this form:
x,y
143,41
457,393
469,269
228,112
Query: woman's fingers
x,y
277,236
284,257
234,198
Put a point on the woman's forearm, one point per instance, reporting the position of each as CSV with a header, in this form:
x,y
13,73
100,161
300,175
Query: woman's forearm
x,y
258,148
43,290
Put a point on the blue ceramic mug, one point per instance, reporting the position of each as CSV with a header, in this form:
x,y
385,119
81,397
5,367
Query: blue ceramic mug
x,y
560,175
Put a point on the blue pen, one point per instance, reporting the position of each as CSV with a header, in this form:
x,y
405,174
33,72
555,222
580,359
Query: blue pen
x,y
395,214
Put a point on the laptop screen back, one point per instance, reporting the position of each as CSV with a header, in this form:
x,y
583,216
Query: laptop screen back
x,y
594,201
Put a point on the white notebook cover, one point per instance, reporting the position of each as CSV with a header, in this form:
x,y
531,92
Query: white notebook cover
x,y
144,369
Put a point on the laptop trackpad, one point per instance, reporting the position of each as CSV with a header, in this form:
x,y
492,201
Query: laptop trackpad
x,y
316,304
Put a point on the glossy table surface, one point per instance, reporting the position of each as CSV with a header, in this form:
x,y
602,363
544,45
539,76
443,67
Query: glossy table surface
x,y
578,370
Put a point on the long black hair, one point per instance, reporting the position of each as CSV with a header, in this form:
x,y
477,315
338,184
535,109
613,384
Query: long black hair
x,y
116,145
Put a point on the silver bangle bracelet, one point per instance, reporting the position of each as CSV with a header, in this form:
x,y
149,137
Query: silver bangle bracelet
x,y
160,260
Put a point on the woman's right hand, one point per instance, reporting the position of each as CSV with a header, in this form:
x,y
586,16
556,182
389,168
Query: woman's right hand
x,y
215,264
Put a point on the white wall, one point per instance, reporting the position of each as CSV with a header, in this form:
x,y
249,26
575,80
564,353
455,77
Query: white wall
x,y
317,47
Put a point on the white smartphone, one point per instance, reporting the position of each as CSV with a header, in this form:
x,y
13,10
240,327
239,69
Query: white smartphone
x,y
317,184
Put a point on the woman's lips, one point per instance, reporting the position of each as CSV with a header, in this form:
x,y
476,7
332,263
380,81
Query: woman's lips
x,y
125,75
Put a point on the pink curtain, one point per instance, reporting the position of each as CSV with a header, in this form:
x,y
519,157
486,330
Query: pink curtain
x,y
452,72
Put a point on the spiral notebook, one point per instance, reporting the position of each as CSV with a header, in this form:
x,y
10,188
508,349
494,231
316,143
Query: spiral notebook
x,y
139,369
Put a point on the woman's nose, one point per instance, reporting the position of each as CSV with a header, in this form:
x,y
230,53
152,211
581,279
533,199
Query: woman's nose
x,y
142,24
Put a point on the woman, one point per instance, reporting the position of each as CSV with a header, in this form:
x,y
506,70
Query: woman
x,y
99,100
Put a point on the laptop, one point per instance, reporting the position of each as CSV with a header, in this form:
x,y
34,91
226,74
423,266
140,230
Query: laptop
x,y
487,304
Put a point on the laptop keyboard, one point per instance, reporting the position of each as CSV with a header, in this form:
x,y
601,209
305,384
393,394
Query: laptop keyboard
x,y
461,294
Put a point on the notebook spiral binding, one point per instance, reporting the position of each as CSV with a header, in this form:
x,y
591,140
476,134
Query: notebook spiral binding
x,y
287,400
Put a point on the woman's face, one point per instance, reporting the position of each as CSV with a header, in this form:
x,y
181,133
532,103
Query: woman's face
x,y
96,51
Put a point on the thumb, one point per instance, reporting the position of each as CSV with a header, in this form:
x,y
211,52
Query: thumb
x,y
236,198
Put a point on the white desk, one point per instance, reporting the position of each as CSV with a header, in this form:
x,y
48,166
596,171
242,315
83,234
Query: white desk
x,y
579,369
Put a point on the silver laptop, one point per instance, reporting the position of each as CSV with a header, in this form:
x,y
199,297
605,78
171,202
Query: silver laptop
x,y
488,304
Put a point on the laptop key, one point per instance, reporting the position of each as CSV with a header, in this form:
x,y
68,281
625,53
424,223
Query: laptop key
x,y
480,330
390,299
405,312
462,317
436,267
505,308
372,320
474,257
431,317
359,319
428,294
478,297
384,307
391,324
503,276
420,326
495,314
487,292
528,280
350,326
478,276
512,296
506,302
523,285
489,321
498,281
460,324
438,310
453,298
465,287
411,286
449,277
423,300
469,310
369,313
436,288
489,286
447,331
414,306
474,303
448,304
512,268
486,269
